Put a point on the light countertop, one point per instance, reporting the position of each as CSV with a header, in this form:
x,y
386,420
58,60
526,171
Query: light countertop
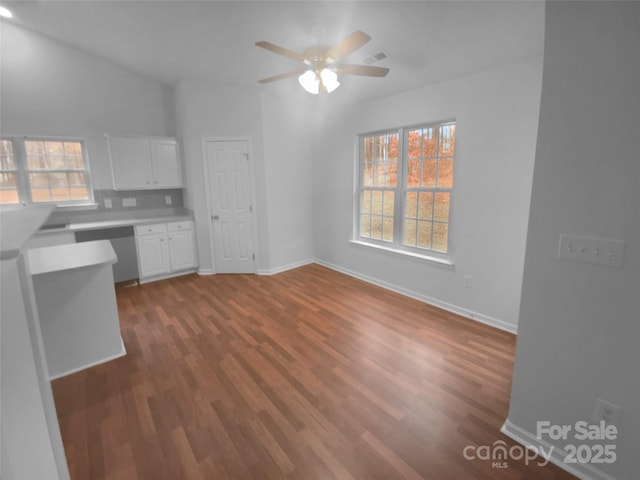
x,y
76,227
119,219
70,256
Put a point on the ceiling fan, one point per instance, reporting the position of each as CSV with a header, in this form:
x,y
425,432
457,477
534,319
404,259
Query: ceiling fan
x,y
322,64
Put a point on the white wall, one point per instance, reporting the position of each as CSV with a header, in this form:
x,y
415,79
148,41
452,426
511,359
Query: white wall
x,y
496,113
282,166
207,110
288,169
48,88
579,327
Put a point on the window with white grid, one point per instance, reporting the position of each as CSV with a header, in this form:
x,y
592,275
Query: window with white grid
x,y
45,171
405,185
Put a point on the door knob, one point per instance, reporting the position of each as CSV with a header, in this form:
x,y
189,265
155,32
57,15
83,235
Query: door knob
x,y
216,217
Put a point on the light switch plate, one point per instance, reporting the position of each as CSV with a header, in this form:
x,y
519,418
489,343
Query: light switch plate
x,y
107,203
128,202
600,251
167,200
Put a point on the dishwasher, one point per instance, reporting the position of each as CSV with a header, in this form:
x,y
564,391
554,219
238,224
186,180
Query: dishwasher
x,y
124,244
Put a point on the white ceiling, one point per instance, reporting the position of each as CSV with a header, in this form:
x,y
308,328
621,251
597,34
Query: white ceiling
x,y
426,42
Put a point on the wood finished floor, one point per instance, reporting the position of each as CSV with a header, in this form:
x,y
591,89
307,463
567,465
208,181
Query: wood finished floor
x,y
308,374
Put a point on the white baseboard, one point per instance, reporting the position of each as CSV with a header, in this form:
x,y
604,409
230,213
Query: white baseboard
x,y
205,271
583,471
121,353
142,281
479,317
284,268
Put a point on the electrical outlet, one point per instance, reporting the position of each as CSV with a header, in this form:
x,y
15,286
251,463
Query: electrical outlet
x,y
129,202
607,412
467,281
107,203
600,251
167,200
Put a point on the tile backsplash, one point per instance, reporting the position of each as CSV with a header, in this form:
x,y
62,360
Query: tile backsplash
x,y
144,199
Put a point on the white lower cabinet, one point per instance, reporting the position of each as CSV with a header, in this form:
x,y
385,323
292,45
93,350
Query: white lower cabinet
x,y
165,249
153,255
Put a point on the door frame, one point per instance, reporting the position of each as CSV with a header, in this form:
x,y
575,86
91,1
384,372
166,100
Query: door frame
x,y
252,195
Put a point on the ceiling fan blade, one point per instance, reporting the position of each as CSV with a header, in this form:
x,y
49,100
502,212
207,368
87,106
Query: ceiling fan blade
x,y
282,75
350,44
365,70
281,51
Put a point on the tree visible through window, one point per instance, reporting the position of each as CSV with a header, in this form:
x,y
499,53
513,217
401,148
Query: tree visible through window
x,y
405,185
8,174
57,171
379,183
44,171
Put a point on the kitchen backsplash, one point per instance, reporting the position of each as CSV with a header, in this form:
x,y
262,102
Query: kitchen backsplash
x,y
144,199
141,201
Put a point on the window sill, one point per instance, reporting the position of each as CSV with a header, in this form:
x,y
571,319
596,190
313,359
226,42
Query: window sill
x,y
440,261
73,208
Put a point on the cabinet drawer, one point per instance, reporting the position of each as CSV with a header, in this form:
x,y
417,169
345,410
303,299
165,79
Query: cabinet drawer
x,y
178,226
150,229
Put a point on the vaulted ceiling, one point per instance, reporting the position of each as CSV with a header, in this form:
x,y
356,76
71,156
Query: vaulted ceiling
x,y
425,42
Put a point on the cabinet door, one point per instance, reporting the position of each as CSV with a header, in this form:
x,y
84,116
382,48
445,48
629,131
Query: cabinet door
x,y
130,163
153,254
181,250
166,164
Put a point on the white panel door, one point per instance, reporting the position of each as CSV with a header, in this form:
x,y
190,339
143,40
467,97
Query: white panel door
x,y
231,209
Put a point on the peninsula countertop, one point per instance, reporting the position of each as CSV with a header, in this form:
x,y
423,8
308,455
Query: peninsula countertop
x,y
58,258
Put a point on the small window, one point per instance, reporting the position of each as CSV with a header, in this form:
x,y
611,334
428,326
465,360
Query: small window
x,y
405,187
51,170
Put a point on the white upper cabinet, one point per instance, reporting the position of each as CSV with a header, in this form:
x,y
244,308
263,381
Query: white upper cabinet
x,y
139,163
165,163
130,163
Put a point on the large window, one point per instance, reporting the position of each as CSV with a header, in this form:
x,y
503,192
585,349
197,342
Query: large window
x,y
405,185
35,170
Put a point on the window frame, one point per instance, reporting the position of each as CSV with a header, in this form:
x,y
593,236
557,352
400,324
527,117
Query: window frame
x,y
14,171
23,182
361,186
401,188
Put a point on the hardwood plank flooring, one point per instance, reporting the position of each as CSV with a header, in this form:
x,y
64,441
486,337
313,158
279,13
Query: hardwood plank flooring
x,y
308,374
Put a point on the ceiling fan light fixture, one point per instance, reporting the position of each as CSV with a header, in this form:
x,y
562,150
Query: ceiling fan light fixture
x,y
310,81
5,12
329,79
322,64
